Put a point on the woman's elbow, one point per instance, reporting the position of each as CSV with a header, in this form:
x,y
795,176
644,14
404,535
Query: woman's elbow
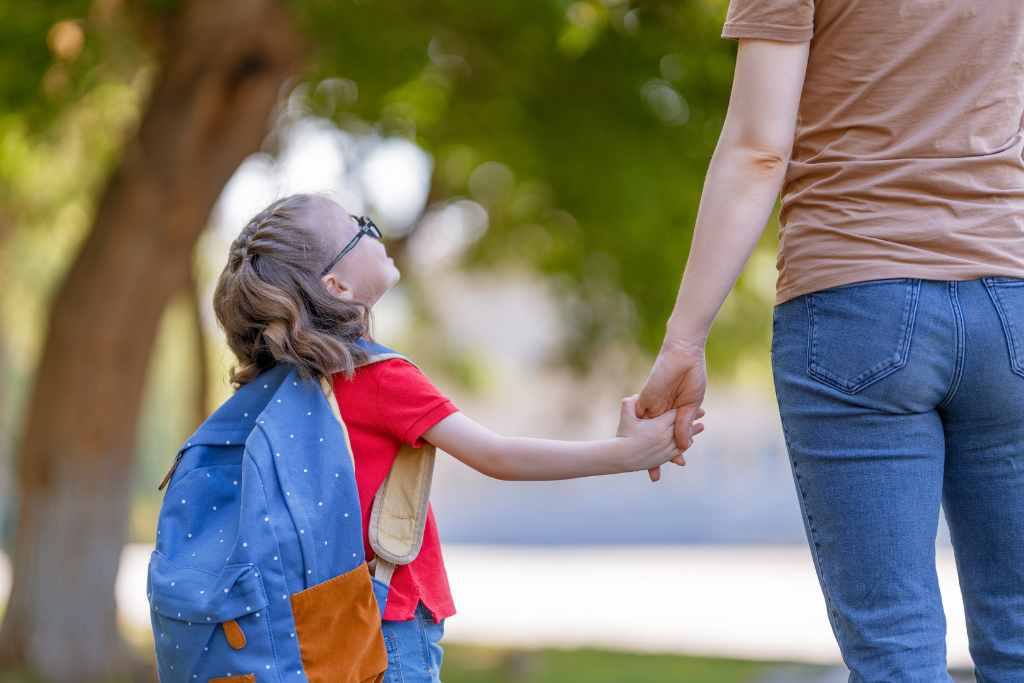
x,y
758,155
759,160
767,161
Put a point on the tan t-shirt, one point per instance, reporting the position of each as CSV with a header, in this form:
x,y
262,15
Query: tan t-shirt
x,y
909,155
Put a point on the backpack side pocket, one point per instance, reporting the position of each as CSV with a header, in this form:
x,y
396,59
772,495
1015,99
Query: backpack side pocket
x,y
208,626
338,626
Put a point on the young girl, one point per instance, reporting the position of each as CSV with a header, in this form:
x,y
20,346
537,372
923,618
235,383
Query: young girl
x,y
301,280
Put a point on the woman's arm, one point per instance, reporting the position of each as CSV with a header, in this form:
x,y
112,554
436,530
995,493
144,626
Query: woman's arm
x,y
640,444
743,181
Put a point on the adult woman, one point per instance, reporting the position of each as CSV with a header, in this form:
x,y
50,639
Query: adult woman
x,y
893,129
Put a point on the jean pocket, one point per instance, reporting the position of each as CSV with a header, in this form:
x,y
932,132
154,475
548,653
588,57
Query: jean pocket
x,y
1008,296
860,333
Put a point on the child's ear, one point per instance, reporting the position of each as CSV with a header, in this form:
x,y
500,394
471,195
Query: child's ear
x,y
338,288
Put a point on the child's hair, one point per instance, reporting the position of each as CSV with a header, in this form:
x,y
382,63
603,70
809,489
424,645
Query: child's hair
x,y
272,305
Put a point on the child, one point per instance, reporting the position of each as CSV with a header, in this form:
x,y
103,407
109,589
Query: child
x,y
301,280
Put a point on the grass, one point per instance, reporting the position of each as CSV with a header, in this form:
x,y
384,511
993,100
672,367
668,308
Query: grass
x,y
470,664
486,664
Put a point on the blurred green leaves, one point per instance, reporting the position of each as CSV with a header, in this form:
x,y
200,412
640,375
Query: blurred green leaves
x,y
584,127
56,51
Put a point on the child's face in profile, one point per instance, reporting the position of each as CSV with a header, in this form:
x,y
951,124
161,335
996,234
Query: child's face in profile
x,y
366,272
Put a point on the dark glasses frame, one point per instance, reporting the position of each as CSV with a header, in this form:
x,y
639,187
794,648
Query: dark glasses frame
x,y
366,227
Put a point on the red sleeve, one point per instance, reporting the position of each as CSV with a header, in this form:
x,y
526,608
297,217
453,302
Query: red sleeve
x,y
408,403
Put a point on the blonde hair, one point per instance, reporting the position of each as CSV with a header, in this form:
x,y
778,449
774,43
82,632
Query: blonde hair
x,y
272,305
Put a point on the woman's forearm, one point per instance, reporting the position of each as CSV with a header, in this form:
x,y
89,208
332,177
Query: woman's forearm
x,y
739,195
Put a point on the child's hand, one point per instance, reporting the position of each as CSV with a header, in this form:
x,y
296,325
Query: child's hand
x,y
652,442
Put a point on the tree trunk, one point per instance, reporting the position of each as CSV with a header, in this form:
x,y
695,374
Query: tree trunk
x,y
222,72
201,398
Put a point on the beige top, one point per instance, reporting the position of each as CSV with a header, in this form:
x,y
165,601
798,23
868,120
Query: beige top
x,y
909,155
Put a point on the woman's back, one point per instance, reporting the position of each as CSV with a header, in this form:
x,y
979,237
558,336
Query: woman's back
x,y
907,160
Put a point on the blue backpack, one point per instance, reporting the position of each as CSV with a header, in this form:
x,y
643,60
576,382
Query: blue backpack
x,y
259,572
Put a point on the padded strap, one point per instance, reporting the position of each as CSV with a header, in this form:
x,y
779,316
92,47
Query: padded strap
x,y
383,570
399,513
325,385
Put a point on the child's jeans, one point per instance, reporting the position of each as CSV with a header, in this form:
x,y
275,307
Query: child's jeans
x,y
414,652
896,394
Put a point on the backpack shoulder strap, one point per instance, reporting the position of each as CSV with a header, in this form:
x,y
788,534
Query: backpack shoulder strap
x,y
328,390
399,513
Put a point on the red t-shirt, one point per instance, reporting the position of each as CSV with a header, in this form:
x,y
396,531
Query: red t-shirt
x,y
385,405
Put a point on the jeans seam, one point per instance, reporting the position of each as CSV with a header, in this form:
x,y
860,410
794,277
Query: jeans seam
x,y
959,352
832,613
424,644
1008,329
396,665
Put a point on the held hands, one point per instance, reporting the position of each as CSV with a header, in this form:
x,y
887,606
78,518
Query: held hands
x,y
652,443
676,387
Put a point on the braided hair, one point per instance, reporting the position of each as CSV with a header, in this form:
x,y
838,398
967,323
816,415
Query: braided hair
x,y
272,305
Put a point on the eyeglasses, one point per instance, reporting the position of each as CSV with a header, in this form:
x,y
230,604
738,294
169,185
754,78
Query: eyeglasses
x,y
366,227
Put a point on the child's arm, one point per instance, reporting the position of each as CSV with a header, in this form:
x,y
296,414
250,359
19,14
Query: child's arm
x,y
639,445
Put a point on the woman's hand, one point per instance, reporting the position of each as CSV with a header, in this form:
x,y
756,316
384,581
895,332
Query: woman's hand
x,y
651,443
676,387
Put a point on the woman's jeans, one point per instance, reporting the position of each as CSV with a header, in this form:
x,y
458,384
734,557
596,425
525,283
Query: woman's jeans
x,y
896,395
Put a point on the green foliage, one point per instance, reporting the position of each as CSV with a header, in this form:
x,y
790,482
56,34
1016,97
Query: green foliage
x,y
584,128
49,183
52,53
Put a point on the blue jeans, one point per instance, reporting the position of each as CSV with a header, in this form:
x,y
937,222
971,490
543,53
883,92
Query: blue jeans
x,y
414,650
897,395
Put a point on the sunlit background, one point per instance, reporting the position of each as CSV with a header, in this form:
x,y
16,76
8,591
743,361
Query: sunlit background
x,y
536,168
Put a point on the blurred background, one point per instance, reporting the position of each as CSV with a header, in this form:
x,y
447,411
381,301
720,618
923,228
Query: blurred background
x,y
536,167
